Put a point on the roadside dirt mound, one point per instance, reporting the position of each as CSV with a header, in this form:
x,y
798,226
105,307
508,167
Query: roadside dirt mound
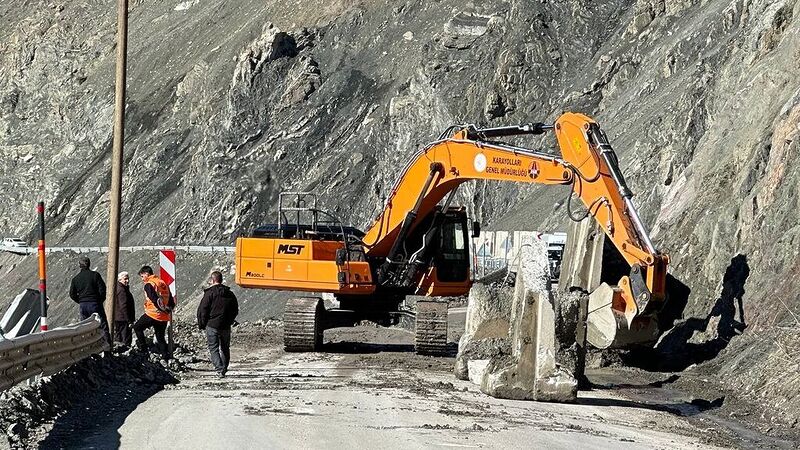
x,y
99,384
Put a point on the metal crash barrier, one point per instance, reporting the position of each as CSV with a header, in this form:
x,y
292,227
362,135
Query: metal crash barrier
x,y
49,352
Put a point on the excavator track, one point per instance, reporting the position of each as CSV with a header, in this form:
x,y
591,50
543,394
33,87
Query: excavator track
x,y
430,337
302,324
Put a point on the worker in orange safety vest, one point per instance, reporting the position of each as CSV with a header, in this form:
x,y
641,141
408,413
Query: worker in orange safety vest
x,y
158,305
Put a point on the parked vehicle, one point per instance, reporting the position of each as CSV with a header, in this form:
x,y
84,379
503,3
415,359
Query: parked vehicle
x,y
13,242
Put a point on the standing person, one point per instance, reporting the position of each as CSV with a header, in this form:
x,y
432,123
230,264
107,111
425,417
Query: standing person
x,y
124,313
158,304
217,312
88,290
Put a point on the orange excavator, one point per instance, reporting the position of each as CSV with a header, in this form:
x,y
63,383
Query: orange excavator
x,y
418,245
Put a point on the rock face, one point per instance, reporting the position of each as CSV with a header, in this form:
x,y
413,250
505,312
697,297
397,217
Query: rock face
x,y
700,100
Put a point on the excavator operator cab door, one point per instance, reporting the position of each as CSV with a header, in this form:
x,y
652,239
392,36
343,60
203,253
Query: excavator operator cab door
x,y
452,259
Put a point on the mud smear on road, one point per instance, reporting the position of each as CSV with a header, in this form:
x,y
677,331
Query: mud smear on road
x,y
388,355
418,395
267,411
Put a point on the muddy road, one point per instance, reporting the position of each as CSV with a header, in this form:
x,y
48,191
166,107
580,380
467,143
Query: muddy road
x,y
369,389
277,400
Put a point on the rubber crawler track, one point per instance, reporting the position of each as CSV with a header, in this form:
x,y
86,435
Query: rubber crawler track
x,y
431,333
302,324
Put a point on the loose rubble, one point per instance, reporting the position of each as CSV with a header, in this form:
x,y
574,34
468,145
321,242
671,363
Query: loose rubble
x,y
98,384
27,411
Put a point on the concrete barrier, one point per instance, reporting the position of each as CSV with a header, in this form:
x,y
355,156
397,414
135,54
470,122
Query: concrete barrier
x,y
486,326
531,371
23,315
582,260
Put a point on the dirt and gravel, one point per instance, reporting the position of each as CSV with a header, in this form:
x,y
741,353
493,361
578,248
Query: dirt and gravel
x,y
100,388
369,388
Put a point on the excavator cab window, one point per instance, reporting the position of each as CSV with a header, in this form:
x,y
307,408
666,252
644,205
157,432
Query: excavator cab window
x,y
452,260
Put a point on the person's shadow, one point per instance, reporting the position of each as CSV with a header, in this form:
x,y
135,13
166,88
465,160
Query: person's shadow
x,y
732,292
676,352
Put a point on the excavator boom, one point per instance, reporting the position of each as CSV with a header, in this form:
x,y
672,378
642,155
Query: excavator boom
x,y
587,163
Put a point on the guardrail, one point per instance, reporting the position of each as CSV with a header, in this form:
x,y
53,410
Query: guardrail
x,y
49,352
185,248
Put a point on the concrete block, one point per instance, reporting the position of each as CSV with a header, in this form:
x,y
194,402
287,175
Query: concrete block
x,y
479,349
486,327
581,263
476,369
531,371
23,315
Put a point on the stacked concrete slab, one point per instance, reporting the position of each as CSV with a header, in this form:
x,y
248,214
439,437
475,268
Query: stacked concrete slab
x,y
486,327
583,256
529,371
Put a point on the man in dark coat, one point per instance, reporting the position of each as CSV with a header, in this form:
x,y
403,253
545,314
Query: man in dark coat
x,y
88,290
124,312
217,312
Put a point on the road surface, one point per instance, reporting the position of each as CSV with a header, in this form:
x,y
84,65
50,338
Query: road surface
x,y
377,395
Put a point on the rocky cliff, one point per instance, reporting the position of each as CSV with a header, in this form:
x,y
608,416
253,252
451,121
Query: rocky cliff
x,y
231,102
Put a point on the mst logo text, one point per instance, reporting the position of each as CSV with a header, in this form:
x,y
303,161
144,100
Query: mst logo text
x,y
286,249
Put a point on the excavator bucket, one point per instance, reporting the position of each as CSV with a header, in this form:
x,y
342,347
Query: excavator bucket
x,y
612,318
608,327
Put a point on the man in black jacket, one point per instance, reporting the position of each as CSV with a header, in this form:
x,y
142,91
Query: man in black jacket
x,y
217,312
88,290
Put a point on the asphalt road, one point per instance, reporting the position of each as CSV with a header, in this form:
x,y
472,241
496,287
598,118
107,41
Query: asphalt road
x,y
377,395
322,401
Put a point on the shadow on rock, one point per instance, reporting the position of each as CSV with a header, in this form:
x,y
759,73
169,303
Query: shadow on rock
x,y
696,339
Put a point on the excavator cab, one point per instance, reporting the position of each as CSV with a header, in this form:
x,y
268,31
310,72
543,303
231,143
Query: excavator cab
x,y
432,259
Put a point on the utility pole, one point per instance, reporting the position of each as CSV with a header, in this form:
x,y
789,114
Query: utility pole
x,y
42,268
116,164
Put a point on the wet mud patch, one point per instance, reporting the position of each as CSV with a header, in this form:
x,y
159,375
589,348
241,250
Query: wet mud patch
x,y
266,411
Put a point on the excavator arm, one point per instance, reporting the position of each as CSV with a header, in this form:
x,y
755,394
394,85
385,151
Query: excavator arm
x,y
587,163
